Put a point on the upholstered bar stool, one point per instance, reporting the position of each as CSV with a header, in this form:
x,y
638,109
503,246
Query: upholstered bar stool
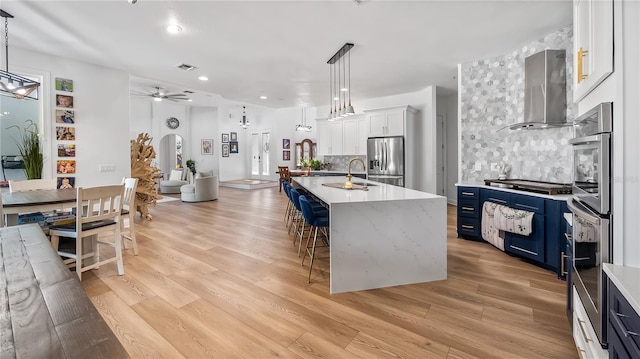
x,y
316,222
300,223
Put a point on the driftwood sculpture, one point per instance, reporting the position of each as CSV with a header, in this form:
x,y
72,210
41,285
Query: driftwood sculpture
x,y
142,155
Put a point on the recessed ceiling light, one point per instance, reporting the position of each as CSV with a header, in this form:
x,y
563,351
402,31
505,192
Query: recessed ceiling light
x,y
203,78
263,97
173,29
190,100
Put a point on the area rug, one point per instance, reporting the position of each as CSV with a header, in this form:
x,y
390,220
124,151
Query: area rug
x,y
167,199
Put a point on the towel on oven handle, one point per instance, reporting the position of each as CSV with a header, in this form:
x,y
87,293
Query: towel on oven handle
x,y
489,231
583,231
513,220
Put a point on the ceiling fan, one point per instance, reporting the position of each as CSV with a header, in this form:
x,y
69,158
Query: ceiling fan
x,y
160,95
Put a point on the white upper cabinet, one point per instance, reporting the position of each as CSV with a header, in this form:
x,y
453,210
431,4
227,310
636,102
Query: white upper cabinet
x,y
593,44
329,137
354,134
386,124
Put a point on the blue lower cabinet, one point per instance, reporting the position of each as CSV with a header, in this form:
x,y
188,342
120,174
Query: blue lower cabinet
x,y
531,246
623,326
468,227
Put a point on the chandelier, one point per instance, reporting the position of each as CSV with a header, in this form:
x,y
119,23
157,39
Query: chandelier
x,y
244,122
304,127
12,84
338,87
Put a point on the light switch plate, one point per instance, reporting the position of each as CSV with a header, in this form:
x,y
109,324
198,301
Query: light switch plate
x,y
107,168
478,166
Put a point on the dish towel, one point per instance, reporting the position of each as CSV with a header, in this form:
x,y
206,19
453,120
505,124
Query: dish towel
x,y
583,231
513,220
489,232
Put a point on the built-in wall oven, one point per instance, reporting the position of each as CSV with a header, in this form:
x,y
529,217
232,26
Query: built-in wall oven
x,y
591,208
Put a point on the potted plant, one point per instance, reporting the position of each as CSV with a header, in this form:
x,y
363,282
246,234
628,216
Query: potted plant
x,y
191,165
29,148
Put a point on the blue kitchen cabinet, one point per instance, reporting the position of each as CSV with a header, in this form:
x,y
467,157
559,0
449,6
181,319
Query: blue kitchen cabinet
x,y
533,245
623,326
469,213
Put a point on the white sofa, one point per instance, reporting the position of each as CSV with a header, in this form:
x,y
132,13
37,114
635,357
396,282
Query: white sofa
x,y
204,188
177,178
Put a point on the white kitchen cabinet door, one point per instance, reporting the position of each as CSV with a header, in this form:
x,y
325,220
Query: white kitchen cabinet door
x,y
324,138
335,128
593,44
354,134
395,124
377,125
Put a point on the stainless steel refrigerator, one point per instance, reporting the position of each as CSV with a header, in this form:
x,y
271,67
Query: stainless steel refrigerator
x,y
386,160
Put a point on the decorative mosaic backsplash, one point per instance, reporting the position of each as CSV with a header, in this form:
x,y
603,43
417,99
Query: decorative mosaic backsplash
x,y
340,163
492,98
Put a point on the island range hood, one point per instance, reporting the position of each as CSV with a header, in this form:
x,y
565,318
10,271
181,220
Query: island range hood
x,y
545,91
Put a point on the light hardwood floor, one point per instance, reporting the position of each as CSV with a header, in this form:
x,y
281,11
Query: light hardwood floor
x,y
222,280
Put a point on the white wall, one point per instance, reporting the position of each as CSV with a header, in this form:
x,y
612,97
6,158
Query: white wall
x,y
447,105
101,105
204,125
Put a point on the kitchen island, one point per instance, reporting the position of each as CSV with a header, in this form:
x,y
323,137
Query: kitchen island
x,y
381,237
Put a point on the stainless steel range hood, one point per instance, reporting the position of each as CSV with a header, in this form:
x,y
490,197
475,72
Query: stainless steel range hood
x,y
545,91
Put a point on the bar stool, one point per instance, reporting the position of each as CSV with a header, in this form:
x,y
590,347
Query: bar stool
x,y
300,223
315,222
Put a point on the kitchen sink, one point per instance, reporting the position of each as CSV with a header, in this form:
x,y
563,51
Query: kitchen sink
x,y
364,184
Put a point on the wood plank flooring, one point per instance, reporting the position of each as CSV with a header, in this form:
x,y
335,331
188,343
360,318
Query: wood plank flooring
x,y
222,279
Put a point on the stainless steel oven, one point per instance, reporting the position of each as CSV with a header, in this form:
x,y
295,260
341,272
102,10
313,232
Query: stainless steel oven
x,y
591,207
591,159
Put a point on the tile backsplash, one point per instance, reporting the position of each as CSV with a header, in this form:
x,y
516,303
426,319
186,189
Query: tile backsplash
x,y
340,163
492,98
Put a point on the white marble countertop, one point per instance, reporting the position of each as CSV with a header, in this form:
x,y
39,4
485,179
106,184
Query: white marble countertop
x,y
557,197
377,192
627,280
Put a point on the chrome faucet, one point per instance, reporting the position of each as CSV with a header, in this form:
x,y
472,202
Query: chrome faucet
x,y
364,167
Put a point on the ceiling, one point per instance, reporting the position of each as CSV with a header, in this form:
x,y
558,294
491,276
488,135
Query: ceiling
x,y
280,49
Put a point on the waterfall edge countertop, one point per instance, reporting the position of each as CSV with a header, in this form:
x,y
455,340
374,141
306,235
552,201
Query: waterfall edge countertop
x,y
376,192
382,237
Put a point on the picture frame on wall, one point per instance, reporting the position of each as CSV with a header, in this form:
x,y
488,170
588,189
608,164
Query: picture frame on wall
x,y
233,146
64,84
66,166
225,138
206,146
66,183
286,144
225,150
65,133
286,155
66,150
64,101
65,116
234,136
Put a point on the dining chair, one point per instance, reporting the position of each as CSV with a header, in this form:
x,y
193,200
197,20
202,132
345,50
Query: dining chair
x,y
316,222
98,212
129,213
284,173
31,185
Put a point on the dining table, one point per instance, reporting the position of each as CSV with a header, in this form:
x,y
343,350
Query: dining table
x,y
43,200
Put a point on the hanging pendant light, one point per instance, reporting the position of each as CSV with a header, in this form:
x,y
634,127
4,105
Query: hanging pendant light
x,y
304,127
12,84
244,122
341,109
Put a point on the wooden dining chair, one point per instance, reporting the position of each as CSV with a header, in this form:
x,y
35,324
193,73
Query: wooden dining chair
x,y
284,173
129,213
98,211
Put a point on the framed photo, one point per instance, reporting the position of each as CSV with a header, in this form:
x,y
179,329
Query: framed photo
x,y
64,84
65,116
206,146
225,138
64,101
233,146
234,136
286,155
66,166
286,144
66,183
65,133
225,150
66,150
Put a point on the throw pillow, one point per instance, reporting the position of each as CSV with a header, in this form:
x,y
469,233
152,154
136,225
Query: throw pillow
x,y
205,174
175,175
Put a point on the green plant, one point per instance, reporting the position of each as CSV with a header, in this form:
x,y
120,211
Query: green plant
x,y
191,165
29,148
314,164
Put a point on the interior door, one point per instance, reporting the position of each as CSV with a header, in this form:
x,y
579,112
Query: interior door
x,y
260,159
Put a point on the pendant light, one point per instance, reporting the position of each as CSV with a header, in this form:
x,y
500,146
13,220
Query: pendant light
x,y
304,127
341,109
244,122
12,84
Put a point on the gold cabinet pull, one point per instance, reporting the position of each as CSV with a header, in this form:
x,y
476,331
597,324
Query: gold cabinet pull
x,y
581,54
562,265
465,226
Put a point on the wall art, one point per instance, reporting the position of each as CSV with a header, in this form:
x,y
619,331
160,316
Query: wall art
x,y
234,136
65,133
286,155
65,166
225,150
225,138
66,150
66,182
64,84
206,146
64,101
233,146
65,116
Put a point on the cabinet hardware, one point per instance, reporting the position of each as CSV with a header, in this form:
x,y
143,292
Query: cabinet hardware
x,y
580,351
466,226
621,325
568,236
524,250
584,333
468,208
467,193
562,265
581,54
